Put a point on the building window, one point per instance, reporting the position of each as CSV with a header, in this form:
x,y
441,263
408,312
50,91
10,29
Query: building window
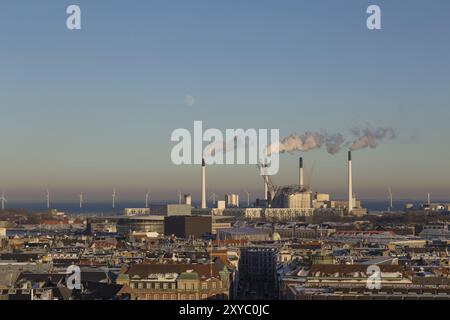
x,y
204,296
204,285
165,297
156,296
173,286
133,285
213,285
140,285
193,286
157,285
165,286
173,297
149,285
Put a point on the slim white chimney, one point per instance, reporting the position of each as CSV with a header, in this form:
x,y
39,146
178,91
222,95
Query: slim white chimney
x,y
300,173
350,186
266,188
203,184
48,199
266,182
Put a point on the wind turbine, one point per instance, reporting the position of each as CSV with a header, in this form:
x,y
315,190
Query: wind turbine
x,y
48,199
248,198
3,199
81,200
146,198
390,199
114,198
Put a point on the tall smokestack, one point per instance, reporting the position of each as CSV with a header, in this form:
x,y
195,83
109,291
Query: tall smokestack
x,y
266,182
350,184
266,188
203,184
300,172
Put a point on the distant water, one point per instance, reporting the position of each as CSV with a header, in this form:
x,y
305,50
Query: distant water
x,y
97,208
382,205
105,208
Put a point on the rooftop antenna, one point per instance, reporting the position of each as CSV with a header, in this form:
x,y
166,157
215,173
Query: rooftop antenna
x,y
146,198
48,199
390,199
3,199
81,200
248,198
114,198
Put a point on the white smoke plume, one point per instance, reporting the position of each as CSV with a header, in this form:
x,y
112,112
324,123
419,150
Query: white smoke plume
x,y
310,141
369,137
334,142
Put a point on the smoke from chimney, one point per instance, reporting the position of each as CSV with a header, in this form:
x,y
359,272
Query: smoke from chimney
x,y
369,138
310,141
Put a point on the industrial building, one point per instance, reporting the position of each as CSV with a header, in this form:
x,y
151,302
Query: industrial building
x,y
293,197
232,200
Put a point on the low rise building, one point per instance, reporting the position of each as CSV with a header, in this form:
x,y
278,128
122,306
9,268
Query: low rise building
x,y
177,281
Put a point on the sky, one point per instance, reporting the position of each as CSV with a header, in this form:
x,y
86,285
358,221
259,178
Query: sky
x,y
93,109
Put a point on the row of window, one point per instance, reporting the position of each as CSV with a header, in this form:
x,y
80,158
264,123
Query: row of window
x,y
167,286
153,285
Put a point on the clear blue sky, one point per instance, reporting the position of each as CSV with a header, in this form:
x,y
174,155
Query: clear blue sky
x,y
94,109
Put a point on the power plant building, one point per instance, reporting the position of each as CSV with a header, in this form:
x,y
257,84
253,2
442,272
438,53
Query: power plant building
x,y
293,197
232,200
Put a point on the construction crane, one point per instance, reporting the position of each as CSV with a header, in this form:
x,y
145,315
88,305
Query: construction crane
x,y
273,188
213,197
